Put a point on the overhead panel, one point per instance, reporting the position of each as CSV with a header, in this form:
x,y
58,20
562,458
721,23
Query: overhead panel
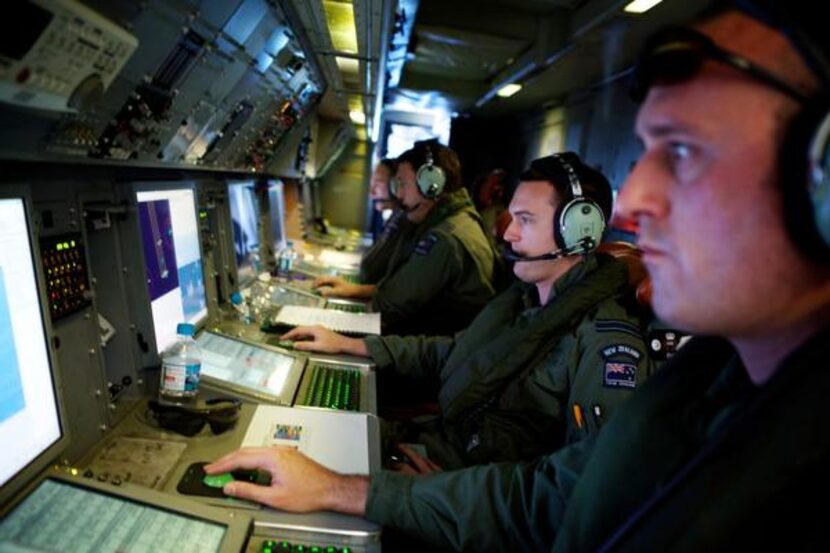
x,y
220,86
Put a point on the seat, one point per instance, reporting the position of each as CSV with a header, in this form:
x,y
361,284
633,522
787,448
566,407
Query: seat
x,y
662,340
638,277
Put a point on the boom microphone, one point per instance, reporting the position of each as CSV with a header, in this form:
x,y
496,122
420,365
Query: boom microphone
x,y
584,245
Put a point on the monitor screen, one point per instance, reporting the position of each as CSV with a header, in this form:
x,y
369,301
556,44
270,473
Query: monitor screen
x,y
242,364
244,215
61,515
29,416
276,208
172,260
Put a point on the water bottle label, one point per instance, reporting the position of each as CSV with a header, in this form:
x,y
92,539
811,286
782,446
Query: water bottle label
x,y
181,378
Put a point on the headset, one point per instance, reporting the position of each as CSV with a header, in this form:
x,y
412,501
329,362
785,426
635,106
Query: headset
x,y
819,179
431,178
810,130
220,414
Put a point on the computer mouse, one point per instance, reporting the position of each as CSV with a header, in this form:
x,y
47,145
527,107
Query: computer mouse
x,y
218,480
239,475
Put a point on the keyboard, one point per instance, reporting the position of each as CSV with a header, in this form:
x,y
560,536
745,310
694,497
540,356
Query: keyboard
x,y
275,546
332,387
348,307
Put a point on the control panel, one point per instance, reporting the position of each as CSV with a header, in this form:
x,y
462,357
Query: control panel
x,y
65,55
66,274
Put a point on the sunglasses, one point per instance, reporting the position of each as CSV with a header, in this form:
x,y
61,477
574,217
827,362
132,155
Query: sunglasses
x,y
676,54
220,414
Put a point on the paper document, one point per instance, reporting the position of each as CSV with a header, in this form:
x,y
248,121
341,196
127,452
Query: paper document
x,y
339,321
337,440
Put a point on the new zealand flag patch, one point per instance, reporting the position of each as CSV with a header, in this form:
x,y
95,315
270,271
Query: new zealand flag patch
x,y
620,366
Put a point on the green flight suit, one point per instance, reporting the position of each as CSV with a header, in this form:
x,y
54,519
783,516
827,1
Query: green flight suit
x,y
513,384
376,259
441,275
698,460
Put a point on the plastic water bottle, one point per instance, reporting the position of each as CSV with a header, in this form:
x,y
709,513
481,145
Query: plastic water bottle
x,y
181,365
286,260
260,295
241,307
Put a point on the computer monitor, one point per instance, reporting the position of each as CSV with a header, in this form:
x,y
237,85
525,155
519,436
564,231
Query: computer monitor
x,y
276,209
172,260
78,514
29,414
244,217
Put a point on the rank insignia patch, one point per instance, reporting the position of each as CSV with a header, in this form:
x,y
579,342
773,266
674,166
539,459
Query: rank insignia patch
x,y
425,244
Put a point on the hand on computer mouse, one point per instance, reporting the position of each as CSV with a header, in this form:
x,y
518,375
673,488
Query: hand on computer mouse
x,y
297,484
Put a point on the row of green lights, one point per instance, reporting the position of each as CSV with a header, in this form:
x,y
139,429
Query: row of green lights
x,y
66,245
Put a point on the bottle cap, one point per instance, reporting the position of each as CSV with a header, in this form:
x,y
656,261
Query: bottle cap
x,y
236,298
186,329
290,243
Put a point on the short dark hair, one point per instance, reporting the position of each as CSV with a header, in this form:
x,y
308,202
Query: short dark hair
x,y
390,164
594,185
442,156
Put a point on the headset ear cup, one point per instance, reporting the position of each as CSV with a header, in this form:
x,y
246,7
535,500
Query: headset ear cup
x,y
580,219
431,180
804,199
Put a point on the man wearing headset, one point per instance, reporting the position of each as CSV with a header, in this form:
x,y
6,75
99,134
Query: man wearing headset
x,y
726,447
392,223
446,269
544,363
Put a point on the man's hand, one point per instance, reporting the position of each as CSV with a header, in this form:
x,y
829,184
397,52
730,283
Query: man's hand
x,y
320,339
337,287
298,484
415,464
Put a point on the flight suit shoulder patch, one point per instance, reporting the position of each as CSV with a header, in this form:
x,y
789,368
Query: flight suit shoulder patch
x,y
616,325
426,244
620,369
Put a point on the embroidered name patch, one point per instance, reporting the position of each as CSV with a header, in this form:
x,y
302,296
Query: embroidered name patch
x,y
425,244
620,369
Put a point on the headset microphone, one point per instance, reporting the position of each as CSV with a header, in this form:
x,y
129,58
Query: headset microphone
x,y
584,246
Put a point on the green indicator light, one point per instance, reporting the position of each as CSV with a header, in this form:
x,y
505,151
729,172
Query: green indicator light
x,y
60,247
72,243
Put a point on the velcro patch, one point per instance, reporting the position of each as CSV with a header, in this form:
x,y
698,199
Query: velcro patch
x,y
425,244
620,369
